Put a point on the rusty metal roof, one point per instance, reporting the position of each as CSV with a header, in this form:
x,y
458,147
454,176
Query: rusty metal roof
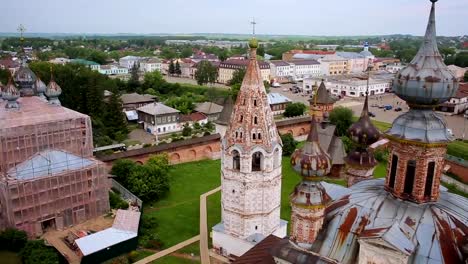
x,y
259,254
431,232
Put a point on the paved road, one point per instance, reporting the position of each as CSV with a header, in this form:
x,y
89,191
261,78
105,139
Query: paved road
x,y
169,250
204,250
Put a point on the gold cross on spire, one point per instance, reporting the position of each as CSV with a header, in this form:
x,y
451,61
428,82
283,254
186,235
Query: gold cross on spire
x,y
253,26
21,30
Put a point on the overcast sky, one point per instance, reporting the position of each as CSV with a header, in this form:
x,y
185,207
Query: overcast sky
x,y
290,17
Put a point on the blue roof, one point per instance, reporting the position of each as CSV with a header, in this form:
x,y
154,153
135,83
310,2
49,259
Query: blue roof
x,y
276,98
48,163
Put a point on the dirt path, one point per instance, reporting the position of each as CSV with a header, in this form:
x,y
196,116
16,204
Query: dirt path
x,y
204,251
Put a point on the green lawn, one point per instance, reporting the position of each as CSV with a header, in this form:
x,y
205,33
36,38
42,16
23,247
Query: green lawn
x,y
380,171
174,260
458,149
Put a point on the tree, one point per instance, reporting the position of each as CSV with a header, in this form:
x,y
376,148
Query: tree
x,y
237,77
134,81
177,69
153,80
235,88
13,239
342,117
294,109
184,104
261,51
206,73
289,144
36,252
209,126
187,130
114,118
171,68
150,181
122,169
186,52
267,86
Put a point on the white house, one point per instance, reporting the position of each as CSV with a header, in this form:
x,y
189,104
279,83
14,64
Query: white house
x,y
281,70
151,65
158,118
306,68
112,70
129,61
353,87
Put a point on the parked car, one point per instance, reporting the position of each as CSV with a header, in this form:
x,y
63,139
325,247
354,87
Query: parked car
x,y
374,105
371,114
388,107
398,109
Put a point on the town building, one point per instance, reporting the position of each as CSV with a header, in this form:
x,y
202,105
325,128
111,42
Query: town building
x,y
406,217
49,178
281,71
290,55
90,64
129,61
193,118
202,56
158,118
250,170
278,103
306,69
150,65
60,61
132,101
112,70
351,85
227,69
211,110
9,63
458,104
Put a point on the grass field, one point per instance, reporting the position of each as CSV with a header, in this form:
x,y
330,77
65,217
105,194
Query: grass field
x,y
178,214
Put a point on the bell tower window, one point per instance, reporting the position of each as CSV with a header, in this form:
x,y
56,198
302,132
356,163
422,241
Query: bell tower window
x,y
257,159
429,179
393,170
255,102
255,120
241,118
409,177
235,160
253,136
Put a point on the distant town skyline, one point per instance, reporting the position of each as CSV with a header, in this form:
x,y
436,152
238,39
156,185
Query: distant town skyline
x,y
274,17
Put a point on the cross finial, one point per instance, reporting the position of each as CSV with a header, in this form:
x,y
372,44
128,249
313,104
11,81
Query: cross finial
x,y
253,23
21,30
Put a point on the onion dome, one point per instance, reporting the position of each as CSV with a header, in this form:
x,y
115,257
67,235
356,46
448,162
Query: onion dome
x,y
253,43
40,88
11,95
310,194
426,81
423,126
363,132
25,78
311,160
53,91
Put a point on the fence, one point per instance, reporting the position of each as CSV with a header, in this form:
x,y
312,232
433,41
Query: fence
x,y
126,194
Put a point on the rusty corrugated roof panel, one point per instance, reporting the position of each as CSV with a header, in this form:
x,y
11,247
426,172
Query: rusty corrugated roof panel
x,y
431,232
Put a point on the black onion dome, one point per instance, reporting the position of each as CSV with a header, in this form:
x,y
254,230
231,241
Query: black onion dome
x,y
363,132
25,78
311,160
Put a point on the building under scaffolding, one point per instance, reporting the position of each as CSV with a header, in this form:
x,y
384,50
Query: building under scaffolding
x,y
49,178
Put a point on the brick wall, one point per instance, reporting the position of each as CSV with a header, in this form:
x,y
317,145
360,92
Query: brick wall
x,y
458,169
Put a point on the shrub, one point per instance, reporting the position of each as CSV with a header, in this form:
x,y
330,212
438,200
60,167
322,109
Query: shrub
x,y
147,145
294,109
116,202
13,239
36,252
381,155
289,144
342,117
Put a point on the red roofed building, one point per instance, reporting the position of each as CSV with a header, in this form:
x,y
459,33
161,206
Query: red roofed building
x,y
457,104
194,118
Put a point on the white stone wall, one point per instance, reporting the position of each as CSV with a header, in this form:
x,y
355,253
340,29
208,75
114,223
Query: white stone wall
x,y
375,254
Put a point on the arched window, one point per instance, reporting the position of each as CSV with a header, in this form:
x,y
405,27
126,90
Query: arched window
x,y
429,179
236,134
235,160
241,118
255,120
393,170
241,135
409,177
276,158
255,102
253,136
257,160
259,136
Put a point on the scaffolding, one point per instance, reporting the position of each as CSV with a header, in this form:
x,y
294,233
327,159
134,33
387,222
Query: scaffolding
x,y
49,178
